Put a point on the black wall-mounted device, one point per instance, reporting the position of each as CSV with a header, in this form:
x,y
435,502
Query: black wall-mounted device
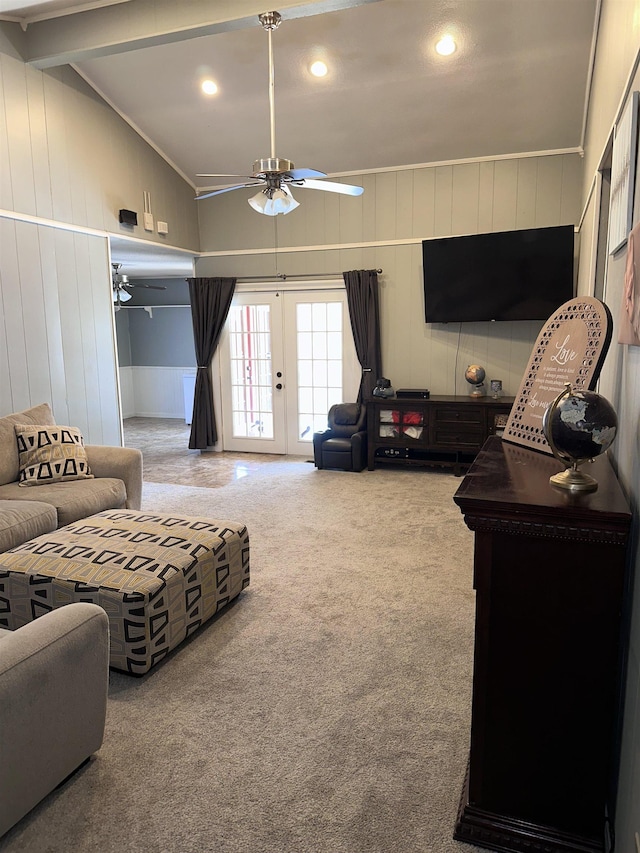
x,y
128,217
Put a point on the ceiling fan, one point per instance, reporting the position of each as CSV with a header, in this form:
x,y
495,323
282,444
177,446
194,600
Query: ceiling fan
x,y
275,175
120,286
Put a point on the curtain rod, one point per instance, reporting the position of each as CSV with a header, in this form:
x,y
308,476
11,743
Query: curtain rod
x,y
284,276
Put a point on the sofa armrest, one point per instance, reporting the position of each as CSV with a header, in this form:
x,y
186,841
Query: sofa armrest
x,y
124,463
54,676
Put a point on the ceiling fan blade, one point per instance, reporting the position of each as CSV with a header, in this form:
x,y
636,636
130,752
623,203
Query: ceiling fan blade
x,y
149,286
228,189
300,174
331,187
202,175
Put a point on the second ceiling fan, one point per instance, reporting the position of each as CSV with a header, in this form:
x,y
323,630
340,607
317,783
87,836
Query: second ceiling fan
x,y
275,175
120,286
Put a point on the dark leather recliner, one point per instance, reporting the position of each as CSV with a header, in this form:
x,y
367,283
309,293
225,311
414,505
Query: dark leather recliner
x,y
344,444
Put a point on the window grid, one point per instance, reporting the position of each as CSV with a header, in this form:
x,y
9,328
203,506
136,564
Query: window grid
x,y
251,388
319,355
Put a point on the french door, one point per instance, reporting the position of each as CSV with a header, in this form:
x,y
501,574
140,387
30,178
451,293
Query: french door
x,y
285,358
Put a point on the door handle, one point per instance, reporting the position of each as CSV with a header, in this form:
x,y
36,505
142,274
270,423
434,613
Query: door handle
x,y
279,386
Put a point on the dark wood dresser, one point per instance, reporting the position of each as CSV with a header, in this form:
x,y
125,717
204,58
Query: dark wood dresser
x,y
550,574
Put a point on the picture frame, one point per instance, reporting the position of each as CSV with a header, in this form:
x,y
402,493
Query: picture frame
x,y
623,170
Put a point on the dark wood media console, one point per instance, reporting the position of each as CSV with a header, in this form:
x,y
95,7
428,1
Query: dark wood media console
x,y
439,431
551,583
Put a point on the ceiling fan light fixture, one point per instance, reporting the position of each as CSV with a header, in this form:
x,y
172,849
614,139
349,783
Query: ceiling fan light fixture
x,y
274,200
121,295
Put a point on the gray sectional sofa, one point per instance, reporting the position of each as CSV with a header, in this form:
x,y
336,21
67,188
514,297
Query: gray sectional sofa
x,y
30,511
54,675
54,669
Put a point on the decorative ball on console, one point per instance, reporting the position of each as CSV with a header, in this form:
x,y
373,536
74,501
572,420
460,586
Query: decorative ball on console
x,y
579,425
475,376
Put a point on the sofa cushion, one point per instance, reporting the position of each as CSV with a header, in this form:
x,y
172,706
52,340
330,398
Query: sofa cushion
x,y
50,454
9,463
74,500
23,520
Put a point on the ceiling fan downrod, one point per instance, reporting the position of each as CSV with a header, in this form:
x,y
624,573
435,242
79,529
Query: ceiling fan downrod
x,y
271,21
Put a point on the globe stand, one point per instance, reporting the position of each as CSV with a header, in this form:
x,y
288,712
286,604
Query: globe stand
x,y
573,479
478,390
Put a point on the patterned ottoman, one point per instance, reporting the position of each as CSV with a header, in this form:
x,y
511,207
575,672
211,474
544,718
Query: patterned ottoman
x,y
159,577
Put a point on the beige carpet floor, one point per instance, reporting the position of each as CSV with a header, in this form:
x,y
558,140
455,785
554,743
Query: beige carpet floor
x,y
327,710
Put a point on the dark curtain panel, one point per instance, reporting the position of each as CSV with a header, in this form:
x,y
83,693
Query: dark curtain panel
x,y
210,300
364,312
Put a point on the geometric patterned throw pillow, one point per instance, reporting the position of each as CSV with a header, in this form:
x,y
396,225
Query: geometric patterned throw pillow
x,y
50,454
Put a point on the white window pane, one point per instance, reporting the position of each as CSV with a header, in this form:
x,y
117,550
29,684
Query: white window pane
x,y
303,317
319,374
238,398
334,373
263,376
305,400
305,373
320,400
319,316
259,345
334,344
263,319
264,399
236,372
234,319
267,425
334,317
320,422
319,345
239,424
304,345
234,347
334,395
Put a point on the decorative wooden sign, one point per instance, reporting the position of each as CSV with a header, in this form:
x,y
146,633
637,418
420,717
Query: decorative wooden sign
x,y
571,348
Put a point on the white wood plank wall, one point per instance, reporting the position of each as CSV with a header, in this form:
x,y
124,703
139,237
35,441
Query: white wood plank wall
x,y
57,329
68,164
66,155
383,229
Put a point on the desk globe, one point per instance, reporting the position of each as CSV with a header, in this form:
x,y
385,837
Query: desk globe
x,y
475,375
578,425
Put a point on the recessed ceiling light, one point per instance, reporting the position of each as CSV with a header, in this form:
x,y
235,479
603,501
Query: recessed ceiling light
x,y
209,87
446,46
319,69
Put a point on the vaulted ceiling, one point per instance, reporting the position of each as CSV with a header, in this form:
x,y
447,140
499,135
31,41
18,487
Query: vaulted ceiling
x,y
516,83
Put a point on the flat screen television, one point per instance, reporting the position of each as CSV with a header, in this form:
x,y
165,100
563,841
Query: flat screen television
x,y
504,275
